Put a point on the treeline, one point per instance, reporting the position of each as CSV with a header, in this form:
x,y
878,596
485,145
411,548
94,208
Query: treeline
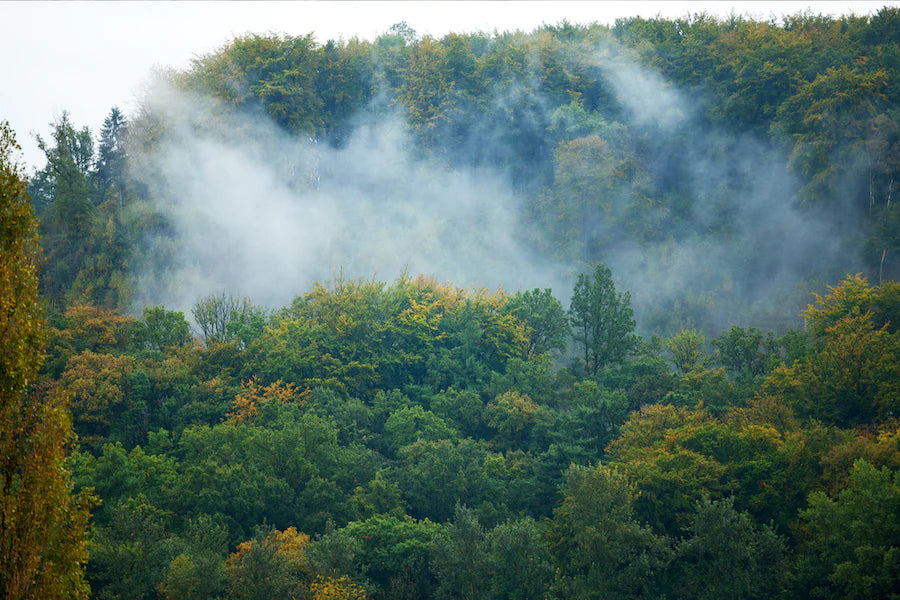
x,y
417,440
649,134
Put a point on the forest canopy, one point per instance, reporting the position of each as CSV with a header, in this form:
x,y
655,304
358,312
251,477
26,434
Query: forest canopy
x,y
586,312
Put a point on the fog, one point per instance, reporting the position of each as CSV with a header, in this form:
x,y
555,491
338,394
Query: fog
x,y
258,213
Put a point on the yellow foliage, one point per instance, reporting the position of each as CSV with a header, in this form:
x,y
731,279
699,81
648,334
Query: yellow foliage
x,y
283,555
43,524
246,403
340,588
101,328
292,546
767,411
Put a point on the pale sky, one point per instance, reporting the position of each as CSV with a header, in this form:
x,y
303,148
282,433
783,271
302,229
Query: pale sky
x,y
85,57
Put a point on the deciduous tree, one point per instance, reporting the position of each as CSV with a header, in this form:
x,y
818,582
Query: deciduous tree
x,y
602,319
42,522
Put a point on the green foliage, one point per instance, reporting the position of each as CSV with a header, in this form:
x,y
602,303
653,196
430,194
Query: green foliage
x,y
464,409
110,175
285,468
600,548
164,328
518,559
128,555
851,541
727,554
548,327
457,558
85,241
602,320
385,550
410,424
746,353
686,348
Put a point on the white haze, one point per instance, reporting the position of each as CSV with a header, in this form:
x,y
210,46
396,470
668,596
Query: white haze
x,y
775,252
260,214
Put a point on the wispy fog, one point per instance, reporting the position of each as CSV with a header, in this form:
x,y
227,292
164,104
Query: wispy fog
x,y
258,213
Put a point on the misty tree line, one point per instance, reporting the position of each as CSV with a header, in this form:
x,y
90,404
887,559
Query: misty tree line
x,y
720,136
414,439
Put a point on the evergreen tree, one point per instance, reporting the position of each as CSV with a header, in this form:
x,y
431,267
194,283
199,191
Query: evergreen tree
x,y
110,175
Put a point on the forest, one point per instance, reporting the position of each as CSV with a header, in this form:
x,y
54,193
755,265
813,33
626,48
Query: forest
x,y
587,312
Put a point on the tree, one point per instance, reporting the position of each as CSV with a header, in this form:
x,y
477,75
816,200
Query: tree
x,y
456,558
518,560
602,320
69,220
271,565
273,72
727,555
853,541
670,474
746,353
687,351
81,220
42,522
336,588
512,415
851,376
164,328
601,550
853,296
215,312
110,173
386,552
545,318
99,387
129,554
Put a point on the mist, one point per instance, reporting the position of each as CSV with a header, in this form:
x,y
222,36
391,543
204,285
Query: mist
x,y
256,212
260,214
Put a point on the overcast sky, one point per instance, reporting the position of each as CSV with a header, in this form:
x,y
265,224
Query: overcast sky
x,y
85,57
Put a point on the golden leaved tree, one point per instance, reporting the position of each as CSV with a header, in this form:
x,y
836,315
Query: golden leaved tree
x,y
43,523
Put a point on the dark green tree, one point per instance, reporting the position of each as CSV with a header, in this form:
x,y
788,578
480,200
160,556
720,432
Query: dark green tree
x,y
110,176
69,219
602,320
600,549
518,559
457,558
852,542
129,554
727,555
